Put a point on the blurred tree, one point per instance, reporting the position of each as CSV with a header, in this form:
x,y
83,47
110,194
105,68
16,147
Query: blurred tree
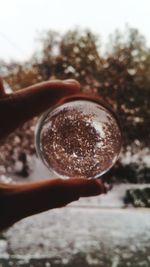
x,y
22,76
73,55
80,56
44,60
121,76
125,84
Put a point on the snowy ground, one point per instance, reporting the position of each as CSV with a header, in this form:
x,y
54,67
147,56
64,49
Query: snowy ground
x,y
79,237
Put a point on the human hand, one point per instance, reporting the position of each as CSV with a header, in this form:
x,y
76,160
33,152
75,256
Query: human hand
x,y
19,201
20,106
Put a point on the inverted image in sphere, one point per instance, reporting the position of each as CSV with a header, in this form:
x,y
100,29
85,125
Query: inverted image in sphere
x,y
80,138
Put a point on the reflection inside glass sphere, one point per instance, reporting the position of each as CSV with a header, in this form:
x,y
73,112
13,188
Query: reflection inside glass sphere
x,y
80,138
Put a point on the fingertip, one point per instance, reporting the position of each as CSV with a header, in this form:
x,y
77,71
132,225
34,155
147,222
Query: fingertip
x,y
87,187
95,187
72,82
102,185
72,86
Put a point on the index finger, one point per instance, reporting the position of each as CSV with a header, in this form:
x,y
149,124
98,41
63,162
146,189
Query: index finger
x,y
29,102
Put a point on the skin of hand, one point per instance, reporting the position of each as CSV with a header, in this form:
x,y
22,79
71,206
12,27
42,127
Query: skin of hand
x,y
20,201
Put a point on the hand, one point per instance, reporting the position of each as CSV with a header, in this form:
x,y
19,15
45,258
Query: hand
x,y
19,201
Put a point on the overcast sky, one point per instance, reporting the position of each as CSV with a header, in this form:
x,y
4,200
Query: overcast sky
x,y
21,20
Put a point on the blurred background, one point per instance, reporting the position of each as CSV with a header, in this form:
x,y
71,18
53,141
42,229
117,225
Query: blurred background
x,y
106,46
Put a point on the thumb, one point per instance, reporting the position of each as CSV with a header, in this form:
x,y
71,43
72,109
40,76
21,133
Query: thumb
x,y
20,201
29,102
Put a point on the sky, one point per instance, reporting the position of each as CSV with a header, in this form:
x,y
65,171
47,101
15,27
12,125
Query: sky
x,y
21,21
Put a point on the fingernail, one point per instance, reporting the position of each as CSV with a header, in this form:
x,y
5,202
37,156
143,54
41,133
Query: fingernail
x,y
71,82
102,186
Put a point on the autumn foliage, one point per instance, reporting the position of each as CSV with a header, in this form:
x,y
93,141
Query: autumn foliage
x,y
120,74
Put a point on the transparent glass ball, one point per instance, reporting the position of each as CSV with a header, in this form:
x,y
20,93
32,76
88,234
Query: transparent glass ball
x,y
80,138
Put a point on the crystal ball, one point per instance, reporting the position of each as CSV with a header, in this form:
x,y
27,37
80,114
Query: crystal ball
x,y
79,138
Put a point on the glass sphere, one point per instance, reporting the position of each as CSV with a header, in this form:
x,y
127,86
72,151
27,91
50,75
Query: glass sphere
x,y
80,138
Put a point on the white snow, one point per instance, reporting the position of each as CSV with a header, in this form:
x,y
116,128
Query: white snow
x,y
68,231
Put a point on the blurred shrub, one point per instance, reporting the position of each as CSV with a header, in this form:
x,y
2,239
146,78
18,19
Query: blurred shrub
x,y
138,197
132,173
